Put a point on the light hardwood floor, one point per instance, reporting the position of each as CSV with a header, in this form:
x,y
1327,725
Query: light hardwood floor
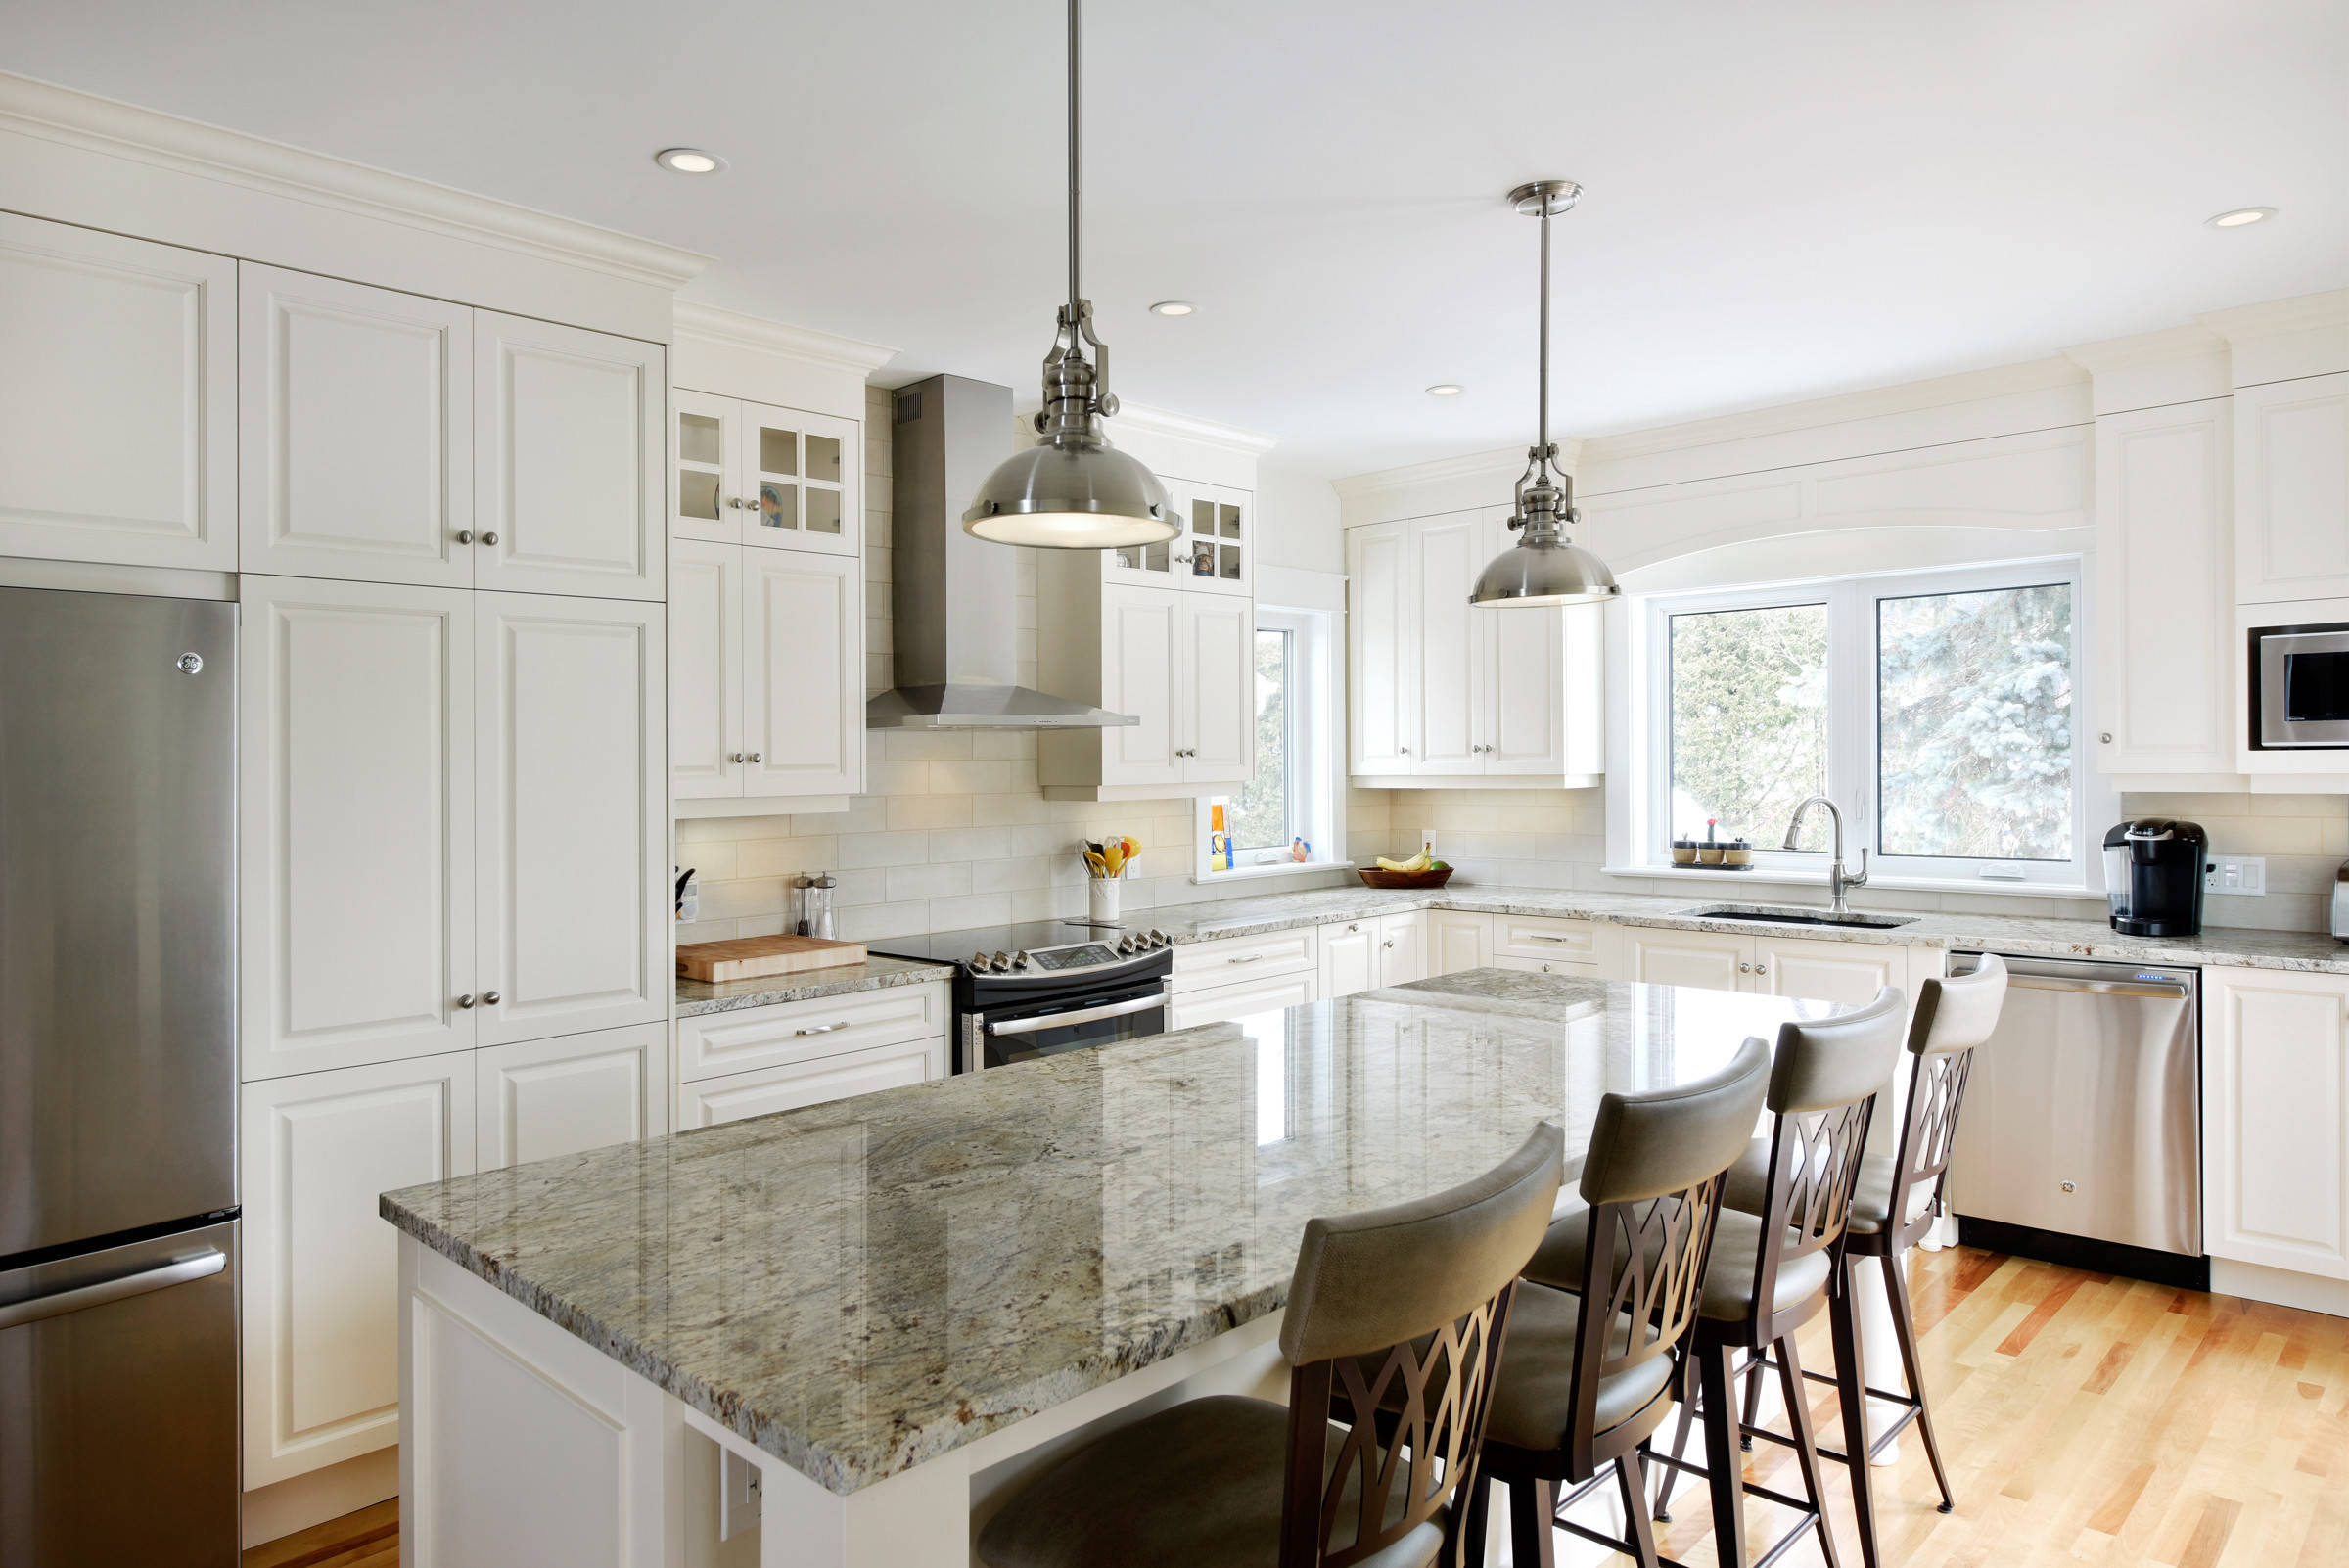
x,y
2086,1419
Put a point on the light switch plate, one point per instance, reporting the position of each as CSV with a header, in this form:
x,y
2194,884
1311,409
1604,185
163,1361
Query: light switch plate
x,y
738,1495
2236,874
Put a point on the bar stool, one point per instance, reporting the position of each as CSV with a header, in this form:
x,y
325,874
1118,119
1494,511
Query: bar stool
x,y
1771,1268
1896,1202
1406,1304
1580,1392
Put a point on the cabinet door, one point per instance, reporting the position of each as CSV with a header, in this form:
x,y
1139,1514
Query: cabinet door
x,y
1401,948
119,404
2165,603
1847,972
355,743
711,502
1221,1003
803,675
2276,1120
321,1287
803,482
712,1100
706,601
1705,960
1164,565
1142,639
1381,658
569,472
1458,939
574,891
355,451
1219,538
1218,689
1522,704
2291,489
543,1097
1447,553
1349,958
1584,734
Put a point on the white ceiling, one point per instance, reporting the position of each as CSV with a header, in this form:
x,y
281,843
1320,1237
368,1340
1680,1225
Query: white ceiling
x,y
1784,200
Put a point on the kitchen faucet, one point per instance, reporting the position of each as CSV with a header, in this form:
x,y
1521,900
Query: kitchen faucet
x,y
1837,878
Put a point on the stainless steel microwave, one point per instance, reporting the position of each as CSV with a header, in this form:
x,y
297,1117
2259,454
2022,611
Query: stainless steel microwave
x,y
2300,686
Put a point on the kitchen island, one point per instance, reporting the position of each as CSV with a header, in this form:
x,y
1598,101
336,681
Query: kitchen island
x,y
893,1310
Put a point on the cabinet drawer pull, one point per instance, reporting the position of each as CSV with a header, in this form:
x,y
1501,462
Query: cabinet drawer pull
x,y
825,1028
1537,936
1247,958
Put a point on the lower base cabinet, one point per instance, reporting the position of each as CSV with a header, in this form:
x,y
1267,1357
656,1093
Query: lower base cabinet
x,y
756,1060
1846,972
708,1101
1216,1004
2276,1120
1379,950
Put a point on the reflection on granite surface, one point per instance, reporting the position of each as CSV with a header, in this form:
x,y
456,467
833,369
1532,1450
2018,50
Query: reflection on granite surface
x,y
862,1285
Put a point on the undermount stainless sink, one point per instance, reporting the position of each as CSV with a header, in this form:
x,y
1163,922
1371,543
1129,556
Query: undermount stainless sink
x,y
1795,914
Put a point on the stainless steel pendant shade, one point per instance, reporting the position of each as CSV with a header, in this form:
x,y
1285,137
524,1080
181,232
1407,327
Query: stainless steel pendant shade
x,y
1541,569
1073,490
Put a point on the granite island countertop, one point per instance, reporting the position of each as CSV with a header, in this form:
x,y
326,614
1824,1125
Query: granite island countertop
x,y
695,997
862,1285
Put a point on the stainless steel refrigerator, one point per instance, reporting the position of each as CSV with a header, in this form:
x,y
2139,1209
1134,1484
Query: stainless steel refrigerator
x,y
118,1082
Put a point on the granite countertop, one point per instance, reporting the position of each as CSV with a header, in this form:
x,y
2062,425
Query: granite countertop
x,y
862,1285
2042,937
874,974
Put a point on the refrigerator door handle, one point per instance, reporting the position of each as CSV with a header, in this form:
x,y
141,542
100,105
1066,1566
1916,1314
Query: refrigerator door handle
x,y
196,1266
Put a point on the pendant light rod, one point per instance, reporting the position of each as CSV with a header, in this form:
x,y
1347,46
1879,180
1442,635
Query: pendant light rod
x,y
1541,433
1076,55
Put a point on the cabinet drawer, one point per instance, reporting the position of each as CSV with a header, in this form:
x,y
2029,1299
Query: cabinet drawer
x,y
787,1088
1237,958
712,1044
1214,1004
1542,937
1552,966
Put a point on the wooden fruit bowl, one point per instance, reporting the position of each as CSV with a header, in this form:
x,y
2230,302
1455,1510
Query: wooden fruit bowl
x,y
1375,878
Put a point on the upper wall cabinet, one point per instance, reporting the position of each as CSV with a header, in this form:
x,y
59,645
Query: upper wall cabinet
x,y
1215,553
2291,489
567,465
356,448
1442,691
752,474
118,406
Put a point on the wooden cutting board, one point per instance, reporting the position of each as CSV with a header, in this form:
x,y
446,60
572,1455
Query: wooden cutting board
x,y
757,957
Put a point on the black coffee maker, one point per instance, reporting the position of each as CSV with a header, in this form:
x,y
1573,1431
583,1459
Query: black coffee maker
x,y
2154,876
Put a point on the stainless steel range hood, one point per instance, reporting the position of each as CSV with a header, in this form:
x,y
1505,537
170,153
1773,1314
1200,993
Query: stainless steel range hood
x,y
954,597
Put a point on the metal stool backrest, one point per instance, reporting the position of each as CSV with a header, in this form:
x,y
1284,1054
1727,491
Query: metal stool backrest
x,y
1823,1083
1954,1016
1411,1299
1653,1180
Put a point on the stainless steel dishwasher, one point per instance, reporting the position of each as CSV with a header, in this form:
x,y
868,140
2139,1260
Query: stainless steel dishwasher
x,y
2081,1138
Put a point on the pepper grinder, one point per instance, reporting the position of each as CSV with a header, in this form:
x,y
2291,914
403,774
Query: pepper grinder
x,y
816,906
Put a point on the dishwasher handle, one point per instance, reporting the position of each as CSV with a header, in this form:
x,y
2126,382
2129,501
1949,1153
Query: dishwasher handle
x,y
2165,989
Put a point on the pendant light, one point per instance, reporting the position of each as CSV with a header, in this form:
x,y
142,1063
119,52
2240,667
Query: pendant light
x,y
1071,490
1541,569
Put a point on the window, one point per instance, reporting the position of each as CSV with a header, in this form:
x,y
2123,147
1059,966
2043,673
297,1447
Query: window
x,y
1936,709
1292,798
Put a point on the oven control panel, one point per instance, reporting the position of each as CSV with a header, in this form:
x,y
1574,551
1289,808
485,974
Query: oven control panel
x,y
1068,959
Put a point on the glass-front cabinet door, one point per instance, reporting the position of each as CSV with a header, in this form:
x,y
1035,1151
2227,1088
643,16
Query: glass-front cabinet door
x,y
802,470
1219,538
707,499
1163,565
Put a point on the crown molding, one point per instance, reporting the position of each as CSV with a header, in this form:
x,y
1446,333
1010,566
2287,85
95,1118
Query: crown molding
x,y
1191,428
732,327
1504,463
61,115
2302,313
2109,354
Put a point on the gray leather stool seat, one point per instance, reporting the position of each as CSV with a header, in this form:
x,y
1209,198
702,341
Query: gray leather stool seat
x,y
1534,1403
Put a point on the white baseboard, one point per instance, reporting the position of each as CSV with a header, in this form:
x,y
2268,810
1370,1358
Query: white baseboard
x,y
301,1502
2279,1287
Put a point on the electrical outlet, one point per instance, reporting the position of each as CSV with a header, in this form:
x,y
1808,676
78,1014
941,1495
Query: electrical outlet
x,y
738,1495
2245,874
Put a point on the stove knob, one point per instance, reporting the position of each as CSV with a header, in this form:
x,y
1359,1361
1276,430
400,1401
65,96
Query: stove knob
x,y
1003,960
1125,945
1019,961
1158,938
978,963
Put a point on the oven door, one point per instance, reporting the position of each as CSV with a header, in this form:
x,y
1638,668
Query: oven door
x,y
2303,695
1028,1032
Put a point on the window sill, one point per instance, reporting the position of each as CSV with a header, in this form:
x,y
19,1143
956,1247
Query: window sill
x,y
1260,873
1794,879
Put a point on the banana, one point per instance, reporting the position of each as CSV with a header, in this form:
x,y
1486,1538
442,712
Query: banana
x,y
1417,863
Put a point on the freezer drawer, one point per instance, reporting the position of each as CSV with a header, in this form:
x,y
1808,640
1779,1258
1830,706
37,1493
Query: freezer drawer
x,y
118,1406
2083,1112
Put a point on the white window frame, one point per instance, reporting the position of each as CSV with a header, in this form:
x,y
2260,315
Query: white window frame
x,y
1853,751
1317,743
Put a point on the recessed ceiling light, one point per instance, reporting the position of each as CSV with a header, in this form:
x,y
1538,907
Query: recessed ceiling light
x,y
688,161
1172,308
1446,388
2241,216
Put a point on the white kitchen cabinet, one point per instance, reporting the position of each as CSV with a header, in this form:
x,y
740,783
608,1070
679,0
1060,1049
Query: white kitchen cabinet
x,y
1216,1004
706,1102
357,745
1348,958
1847,972
1552,966
1403,947
2166,658
1546,938
2276,1120
356,445
118,406
705,602
1139,673
569,464
2291,489
541,1098
1227,960
572,812
1381,950
755,474
803,675
743,1039
1711,960
1458,939
1182,660
321,1286
1218,696
1442,692
709,501
1218,538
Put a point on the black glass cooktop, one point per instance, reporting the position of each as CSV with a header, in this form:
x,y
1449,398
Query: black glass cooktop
x,y
1029,937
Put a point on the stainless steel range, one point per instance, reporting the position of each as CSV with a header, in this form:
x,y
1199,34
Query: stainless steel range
x,y
1026,991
